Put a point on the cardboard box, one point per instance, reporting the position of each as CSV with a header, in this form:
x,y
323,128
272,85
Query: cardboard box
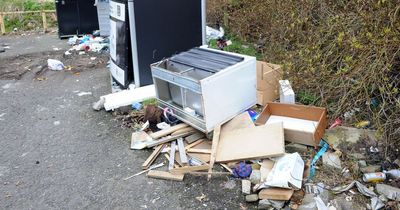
x,y
268,76
297,120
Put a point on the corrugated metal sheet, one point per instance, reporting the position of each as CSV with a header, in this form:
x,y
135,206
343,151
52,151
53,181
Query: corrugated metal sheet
x,y
103,10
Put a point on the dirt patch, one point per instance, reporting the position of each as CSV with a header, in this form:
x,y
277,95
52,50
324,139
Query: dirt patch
x,y
14,68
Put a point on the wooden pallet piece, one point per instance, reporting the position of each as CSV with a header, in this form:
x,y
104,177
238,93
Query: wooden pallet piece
x,y
167,157
165,175
183,130
168,139
172,156
152,157
202,151
194,144
214,147
276,194
194,137
182,152
188,169
168,131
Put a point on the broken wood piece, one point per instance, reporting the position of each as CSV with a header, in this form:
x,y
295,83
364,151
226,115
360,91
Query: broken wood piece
x,y
260,142
187,169
167,157
194,137
202,173
202,151
182,153
276,194
152,157
214,147
172,156
168,131
194,144
142,172
168,139
183,130
203,157
226,168
165,175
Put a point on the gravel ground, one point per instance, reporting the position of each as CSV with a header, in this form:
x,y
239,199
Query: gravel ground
x,y
57,153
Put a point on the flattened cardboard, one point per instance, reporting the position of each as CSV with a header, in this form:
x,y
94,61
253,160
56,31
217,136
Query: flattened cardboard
x,y
311,113
251,143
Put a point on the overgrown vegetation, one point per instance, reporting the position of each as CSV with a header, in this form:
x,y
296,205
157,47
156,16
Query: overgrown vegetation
x,y
343,55
27,21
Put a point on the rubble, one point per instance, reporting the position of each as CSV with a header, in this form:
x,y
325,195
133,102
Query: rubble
x,y
246,187
370,169
390,192
251,198
332,160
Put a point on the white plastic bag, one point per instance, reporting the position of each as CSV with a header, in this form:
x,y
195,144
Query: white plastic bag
x,y
55,65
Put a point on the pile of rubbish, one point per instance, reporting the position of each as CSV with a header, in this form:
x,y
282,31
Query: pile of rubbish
x,y
275,151
88,43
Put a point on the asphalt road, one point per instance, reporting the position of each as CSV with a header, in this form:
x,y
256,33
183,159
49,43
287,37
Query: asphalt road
x,y
57,153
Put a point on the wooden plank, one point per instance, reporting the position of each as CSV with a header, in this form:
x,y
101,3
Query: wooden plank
x,y
214,148
165,175
259,142
2,24
194,144
168,131
203,157
167,157
168,139
194,137
152,157
226,168
276,194
187,169
44,20
202,151
183,130
172,156
182,152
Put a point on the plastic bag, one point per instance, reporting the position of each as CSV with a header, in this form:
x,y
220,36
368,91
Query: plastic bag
x,y
55,65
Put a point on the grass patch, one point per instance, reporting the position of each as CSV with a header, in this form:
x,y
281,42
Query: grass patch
x,y
27,21
238,46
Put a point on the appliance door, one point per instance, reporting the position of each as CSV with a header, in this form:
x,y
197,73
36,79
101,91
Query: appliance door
x,y
120,54
88,19
164,28
67,17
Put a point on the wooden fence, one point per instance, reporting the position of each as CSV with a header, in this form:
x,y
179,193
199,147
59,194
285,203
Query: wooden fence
x,y
43,12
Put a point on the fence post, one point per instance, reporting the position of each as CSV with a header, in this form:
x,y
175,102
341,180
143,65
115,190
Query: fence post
x,y
2,24
44,21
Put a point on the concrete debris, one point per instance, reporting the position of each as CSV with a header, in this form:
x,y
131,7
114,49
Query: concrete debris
x,y
362,163
340,134
99,104
371,169
252,198
331,159
255,177
267,204
294,147
246,187
390,192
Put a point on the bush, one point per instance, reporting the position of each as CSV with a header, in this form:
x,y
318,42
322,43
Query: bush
x,y
343,55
